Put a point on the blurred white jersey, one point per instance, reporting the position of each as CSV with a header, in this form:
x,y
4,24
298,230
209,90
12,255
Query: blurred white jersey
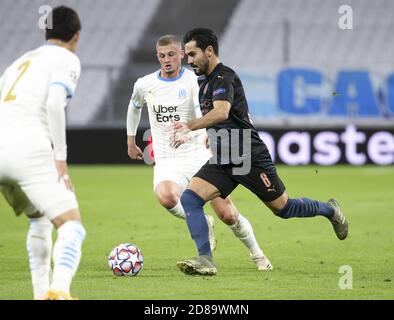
x,y
24,92
174,99
28,175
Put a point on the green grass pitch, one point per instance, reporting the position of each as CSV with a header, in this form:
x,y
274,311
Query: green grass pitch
x,y
118,205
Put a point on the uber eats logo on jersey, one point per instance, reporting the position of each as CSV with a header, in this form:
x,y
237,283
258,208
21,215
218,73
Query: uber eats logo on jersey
x,y
166,113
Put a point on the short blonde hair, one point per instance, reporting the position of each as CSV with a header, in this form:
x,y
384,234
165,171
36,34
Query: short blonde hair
x,y
169,39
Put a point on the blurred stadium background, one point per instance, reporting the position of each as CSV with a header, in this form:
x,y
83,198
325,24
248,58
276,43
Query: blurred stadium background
x,y
319,94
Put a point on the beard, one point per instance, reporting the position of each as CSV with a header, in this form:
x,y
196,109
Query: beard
x,y
202,69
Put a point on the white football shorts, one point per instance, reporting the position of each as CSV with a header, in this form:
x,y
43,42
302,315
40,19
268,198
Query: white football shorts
x,y
29,182
178,172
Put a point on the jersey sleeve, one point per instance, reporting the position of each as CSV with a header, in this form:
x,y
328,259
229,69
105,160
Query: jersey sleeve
x,y
195,88
137,98
223,88
66,73
57,121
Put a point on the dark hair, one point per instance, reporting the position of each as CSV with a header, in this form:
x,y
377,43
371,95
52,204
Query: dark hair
x,y
65,24
204,38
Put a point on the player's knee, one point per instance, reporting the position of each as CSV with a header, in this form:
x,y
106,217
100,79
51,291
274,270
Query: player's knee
x,y
284,212
40,227
227,219
72,230
71,215
191,200
225,210
227,215
39,240
168,200
279,214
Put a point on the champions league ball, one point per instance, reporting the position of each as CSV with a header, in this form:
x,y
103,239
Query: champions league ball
x,y
125,260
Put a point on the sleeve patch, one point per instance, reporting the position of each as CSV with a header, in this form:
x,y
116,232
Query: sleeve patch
x,y
218,91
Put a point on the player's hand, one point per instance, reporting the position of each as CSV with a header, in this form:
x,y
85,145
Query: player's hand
x,y
179,134
134,152
62,170
206,141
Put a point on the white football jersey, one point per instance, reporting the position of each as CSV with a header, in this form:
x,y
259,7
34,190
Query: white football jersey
x,y
24,92
171,99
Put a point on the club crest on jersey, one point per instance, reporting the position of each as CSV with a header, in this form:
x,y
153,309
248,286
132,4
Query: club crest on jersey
x,y
182,94
73,76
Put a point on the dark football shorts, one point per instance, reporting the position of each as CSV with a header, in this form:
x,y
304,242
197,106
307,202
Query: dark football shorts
x,y
265,185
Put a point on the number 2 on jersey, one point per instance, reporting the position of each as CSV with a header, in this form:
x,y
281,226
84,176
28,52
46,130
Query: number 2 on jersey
x,y
24,66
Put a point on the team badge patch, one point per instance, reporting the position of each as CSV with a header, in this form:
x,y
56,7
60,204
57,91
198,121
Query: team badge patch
x,y
218,91
73,76
182,94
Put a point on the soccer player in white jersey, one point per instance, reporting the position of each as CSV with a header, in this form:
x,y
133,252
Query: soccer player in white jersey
x,y
34,91
171,94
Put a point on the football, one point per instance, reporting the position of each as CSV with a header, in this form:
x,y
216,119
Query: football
x,y
125,259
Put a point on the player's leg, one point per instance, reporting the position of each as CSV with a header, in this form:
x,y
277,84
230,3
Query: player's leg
x,y
67,251
208,183
168,193
38,240
286,208
169,183
242,229
39,248
193,202
39,181
270,189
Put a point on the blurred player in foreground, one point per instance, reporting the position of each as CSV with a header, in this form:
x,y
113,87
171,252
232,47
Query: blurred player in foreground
x,y
247,161
34,179
171,94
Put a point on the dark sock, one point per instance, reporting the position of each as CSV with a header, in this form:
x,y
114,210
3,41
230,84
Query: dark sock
x,y
304,207
196,221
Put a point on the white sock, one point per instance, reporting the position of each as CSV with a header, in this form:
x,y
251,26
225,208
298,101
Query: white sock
x,y
178,211
67,254
39,247
243,231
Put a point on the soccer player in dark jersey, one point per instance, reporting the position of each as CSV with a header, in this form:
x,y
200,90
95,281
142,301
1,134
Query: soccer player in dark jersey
x,y
239,155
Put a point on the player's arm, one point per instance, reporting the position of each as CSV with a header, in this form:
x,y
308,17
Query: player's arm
x,y
182,131
221,105
222,97
218,114
195,94
133,120
56,102
61,87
